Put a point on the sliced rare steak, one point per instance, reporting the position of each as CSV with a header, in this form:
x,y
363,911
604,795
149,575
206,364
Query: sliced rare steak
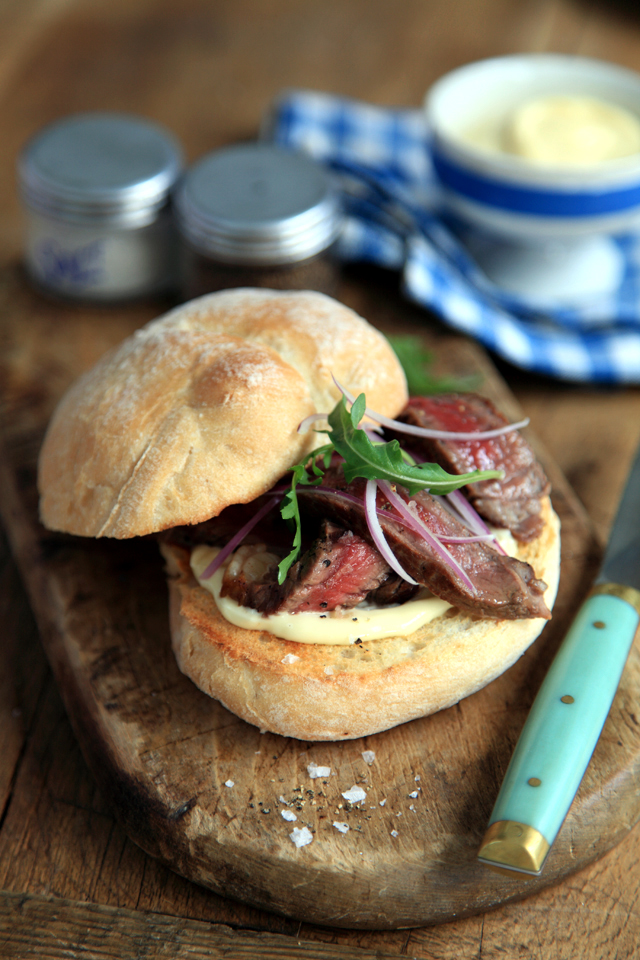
x,y
219,530
338,570
503,587
393,590
514,502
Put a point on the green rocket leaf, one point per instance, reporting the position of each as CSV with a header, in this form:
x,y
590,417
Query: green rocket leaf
x,y
368,460
385,461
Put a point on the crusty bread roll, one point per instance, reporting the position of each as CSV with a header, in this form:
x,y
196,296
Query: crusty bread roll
x,y
343,692
199,410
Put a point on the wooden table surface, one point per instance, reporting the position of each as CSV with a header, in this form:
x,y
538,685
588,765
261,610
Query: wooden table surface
x,y
73,884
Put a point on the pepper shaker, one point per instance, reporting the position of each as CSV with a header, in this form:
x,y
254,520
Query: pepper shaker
x,y
257,215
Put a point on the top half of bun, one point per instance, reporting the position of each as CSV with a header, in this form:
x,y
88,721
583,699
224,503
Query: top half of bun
x,y
200,408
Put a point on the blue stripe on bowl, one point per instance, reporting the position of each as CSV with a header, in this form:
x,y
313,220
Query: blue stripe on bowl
x,y
541,203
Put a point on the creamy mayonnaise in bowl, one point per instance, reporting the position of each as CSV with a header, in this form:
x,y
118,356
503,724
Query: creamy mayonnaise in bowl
x,y
538,144
539,155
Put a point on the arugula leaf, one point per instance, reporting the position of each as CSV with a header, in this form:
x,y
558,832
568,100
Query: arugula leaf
x,y
370,461
290,510
415,360
384,461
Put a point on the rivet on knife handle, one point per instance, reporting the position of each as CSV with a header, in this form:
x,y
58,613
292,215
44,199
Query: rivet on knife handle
x,y
561,731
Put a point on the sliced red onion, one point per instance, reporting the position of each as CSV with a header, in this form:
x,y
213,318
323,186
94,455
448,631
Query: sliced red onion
x,y
472,518
404,523
305,424
377,534
479,538
433,434
420,527
369,428
237,538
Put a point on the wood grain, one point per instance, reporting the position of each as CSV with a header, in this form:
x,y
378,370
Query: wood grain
x,y
47,929
207,70
203,792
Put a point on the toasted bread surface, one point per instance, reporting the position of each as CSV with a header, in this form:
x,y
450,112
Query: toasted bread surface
x,y
319,692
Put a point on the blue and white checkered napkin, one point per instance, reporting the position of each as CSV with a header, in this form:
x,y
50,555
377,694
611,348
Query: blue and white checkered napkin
x,y
381,162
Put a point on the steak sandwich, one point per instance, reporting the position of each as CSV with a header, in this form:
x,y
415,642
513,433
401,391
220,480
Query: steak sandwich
x,y
341,558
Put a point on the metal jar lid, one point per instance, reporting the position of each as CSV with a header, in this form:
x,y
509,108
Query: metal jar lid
x,y
107,168
257,204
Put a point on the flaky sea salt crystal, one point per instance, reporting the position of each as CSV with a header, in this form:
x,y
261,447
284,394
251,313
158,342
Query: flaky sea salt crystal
x,y
288,815
414,794
315,772
394,833
382,802
342,827
368,756
301,836
289,658
355,794
229,783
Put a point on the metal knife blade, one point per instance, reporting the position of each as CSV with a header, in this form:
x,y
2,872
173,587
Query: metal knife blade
x,y
621,563
570,709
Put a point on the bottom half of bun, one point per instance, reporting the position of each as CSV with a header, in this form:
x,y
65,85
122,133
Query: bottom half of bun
x,y
320,692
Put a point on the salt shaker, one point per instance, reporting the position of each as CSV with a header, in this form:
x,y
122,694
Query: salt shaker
x,y
257,215
96,191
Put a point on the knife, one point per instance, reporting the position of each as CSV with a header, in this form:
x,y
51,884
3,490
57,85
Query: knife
x,y
569,712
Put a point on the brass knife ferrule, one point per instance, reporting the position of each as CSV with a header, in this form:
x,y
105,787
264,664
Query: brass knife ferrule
x,y
511,846
630,594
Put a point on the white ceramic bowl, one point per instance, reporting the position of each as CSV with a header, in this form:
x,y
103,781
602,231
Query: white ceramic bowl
x,y
545,231
512,196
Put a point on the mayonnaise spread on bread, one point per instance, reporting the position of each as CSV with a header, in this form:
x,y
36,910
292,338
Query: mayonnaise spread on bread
x,y
338,627
562,130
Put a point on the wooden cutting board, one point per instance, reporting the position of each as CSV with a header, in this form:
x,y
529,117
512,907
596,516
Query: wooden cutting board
x,y
203,791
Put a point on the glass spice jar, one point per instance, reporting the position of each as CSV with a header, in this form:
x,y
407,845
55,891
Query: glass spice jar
x,y
96,191
256,215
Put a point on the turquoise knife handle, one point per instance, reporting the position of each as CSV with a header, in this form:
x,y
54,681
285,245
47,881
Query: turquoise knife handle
x,y
560,735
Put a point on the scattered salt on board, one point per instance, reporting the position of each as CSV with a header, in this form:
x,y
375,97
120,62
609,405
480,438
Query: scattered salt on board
x,y
301,836
315,771
342,827
355,794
